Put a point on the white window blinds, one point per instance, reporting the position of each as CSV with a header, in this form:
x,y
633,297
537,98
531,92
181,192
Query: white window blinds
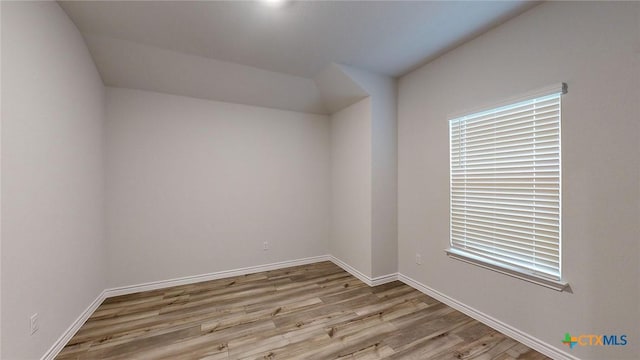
x,y
505,185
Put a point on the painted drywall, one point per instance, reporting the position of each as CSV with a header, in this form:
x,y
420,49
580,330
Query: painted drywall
x,y
384,173
338,90
364,226
197,186
594,47
133,65
350,239
52,177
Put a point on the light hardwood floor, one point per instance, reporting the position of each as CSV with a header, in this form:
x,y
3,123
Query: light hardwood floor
x,y
316,311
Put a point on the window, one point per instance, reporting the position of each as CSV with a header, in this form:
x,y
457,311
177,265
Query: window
x,y
505,188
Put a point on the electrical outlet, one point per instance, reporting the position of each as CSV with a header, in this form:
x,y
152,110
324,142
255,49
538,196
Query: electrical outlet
x,y
418,259
35,324
265,245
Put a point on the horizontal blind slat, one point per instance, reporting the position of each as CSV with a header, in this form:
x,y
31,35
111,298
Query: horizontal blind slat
x,y
521,253
507,208
551,270
527,125
481,230
497,216
523,143
503,255
509,132
496,118
508,152
548,249
531,262
502,222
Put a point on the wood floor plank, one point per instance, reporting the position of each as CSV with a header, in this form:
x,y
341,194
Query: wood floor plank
x,y
309,312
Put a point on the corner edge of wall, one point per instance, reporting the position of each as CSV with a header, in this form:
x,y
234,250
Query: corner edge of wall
x,y
59,344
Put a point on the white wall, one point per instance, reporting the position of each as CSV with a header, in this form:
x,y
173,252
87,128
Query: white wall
x,y
384,174
381,162
350,239
384,169
52,177
196,186
595,48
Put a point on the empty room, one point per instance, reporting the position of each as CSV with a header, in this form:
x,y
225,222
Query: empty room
x,y
288,179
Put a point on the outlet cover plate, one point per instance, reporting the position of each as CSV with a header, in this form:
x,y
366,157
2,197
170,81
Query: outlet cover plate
x,y
34,323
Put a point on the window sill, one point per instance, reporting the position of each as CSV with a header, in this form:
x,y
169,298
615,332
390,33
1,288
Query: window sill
x,y
557,285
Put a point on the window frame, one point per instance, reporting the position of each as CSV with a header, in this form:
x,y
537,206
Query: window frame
x,y
523,273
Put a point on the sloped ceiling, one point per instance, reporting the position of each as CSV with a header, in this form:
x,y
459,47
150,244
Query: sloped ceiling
x,y
133,65
246,52
337,89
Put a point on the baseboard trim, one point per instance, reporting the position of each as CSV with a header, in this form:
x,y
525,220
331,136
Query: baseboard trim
x,y
383,279
375,281
55,349
530,341
155,285
351,270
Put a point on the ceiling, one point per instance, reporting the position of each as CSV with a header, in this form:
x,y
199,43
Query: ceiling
x,y
299,40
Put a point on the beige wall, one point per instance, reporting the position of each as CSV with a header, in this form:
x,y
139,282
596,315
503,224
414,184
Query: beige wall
x,y
52,178
350,238
594,47
196,186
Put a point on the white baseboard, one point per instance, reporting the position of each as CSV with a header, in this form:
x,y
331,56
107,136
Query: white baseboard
x,y
124,290
383,279
55,349
350,269
530,341
375,281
